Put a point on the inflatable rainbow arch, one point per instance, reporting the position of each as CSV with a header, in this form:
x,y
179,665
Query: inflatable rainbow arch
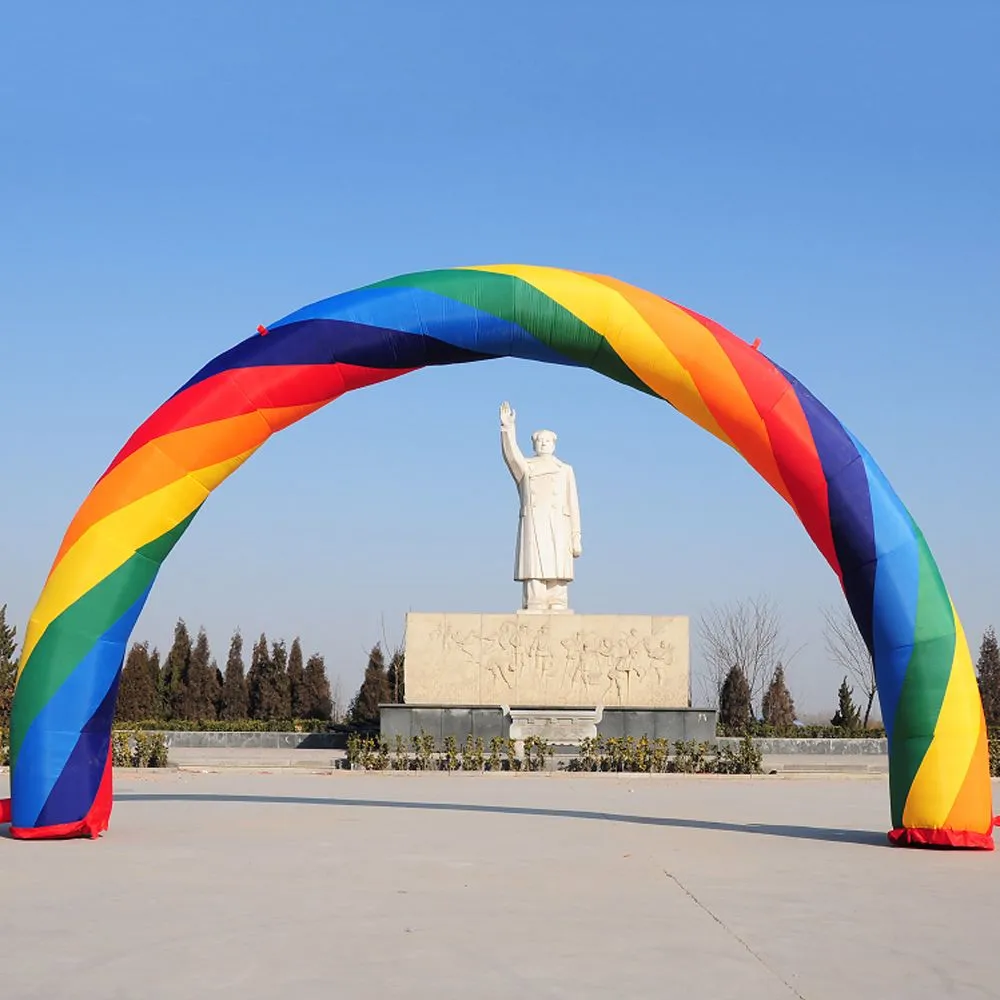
x,y
61,779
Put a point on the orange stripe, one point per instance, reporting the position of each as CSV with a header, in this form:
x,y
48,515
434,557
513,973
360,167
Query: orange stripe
x,y
972,807
697,348
166,459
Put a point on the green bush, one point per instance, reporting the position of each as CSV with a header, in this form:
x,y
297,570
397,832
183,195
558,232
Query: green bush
x,y
4,748
473,754
239,725
994,756
761,729
134,748
745,758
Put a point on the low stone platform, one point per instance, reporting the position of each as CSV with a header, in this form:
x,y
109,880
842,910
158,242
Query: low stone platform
x,y
487,721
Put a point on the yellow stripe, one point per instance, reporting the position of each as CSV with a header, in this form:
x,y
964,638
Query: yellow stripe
x,y
626,330
942,771
112,541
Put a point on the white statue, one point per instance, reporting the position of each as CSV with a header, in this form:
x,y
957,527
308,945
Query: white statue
x,y
548,531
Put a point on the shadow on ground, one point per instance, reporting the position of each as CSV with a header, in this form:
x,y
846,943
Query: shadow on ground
x,y
867,837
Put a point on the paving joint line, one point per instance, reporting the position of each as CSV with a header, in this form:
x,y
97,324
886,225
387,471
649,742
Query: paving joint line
x,y
774,972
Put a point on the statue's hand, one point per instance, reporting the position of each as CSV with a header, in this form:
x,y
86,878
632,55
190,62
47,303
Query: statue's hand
x,y
507,415
577,548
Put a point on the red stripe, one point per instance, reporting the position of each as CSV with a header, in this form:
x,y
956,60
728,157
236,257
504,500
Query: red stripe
x,y
942,838
244,390
791,440
92,825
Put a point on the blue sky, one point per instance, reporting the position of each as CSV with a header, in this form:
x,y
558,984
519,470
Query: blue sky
x,y
823,177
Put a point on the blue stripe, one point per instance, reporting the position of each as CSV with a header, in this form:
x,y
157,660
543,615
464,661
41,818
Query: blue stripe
x,y
77,786
416,310
897,578
53,735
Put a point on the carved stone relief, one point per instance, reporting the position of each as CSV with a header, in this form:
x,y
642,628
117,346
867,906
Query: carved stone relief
x,y
611,660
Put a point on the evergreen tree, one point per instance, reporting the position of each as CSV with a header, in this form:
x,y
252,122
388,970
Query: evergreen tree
x,y
315,699
174,679
217,681
848,717
988,669
735,711
374,691
137,694
155,679
8,666
200,696
397,677
778,708
269,695
296,676
259,659
235,698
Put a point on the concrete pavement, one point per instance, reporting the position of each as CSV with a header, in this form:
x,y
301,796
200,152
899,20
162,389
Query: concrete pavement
x,y
235,884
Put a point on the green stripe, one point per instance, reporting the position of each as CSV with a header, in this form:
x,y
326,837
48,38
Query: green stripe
x,y
927,676
72,635
518,301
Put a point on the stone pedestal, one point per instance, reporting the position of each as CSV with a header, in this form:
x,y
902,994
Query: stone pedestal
x,y
547,660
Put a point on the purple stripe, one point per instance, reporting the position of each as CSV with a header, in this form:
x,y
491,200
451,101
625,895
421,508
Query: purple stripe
x,y
76,787
851,518
328,341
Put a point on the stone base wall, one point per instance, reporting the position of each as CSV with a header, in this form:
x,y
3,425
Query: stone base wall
x,y
486,721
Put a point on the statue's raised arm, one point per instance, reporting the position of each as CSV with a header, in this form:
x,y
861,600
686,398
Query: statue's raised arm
x,y
508,443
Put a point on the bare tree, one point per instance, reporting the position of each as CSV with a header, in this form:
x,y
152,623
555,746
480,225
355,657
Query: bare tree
x,y
746,634
337,713
847,648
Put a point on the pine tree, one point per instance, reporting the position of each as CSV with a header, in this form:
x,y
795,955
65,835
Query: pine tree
x,y
8,666
735,711
259,659
778,709
296,675
216,690
235,698
155,679
281,689
316,701
374,691
199,701
397,677
847,717
137,694
269,695
174,679
988,669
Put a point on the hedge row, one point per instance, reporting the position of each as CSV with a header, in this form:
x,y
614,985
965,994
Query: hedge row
x,y
129,748
623,754
237,725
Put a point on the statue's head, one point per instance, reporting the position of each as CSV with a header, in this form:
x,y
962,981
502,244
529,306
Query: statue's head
x,y
544,442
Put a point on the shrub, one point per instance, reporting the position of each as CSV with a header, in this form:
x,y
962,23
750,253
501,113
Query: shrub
x,y
536,751
744,758
135,748
450,753
473,754
494,762
238,725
